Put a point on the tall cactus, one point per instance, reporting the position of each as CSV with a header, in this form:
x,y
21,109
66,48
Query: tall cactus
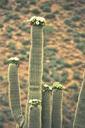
x,y
36,71
36,58
79,119
14,91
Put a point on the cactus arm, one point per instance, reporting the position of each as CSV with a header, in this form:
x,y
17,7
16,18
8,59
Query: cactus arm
x,y
14,91
36,58
34,113
57,106
79,119
36,63
46,106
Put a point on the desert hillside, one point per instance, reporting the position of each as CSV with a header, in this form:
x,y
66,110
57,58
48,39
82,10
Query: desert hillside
x,y
64,49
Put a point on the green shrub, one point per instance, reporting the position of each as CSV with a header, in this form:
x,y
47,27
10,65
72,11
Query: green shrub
x,y
11,45
1,78
81,11
35,11
49,30
68,6
11,16
26,42
1,25
24,27
76,18
3,3
46,77
22,2
46,7
9,29
50,16
69,23
81,46
7,112
77,75
4,100
33,1
64,77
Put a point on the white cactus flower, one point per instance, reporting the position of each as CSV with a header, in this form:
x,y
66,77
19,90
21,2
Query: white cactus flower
x,y
14,58
37,22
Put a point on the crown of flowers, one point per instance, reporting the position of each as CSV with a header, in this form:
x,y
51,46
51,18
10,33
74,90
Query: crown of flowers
x,y
37,21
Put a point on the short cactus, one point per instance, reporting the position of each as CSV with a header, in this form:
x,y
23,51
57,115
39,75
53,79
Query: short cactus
x,y
57,105
44,102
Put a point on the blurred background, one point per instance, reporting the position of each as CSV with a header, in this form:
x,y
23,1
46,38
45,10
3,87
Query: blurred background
x,y
64,49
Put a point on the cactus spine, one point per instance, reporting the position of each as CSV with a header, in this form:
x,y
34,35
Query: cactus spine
x,y
79,119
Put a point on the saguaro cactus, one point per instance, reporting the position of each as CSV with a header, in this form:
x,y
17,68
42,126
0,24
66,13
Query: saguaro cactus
x,y
44,102
79,119
14,91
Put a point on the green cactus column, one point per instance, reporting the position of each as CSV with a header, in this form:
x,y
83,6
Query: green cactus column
x,y
36,58
14,91
35,113
36,71
79,119
46,106
57,106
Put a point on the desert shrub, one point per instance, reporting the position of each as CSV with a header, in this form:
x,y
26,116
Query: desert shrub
x,y
46,7
48,52
10,16
1,25
76,18
24,27
3,3
49,30
7,112
81,46
55,75
1,78
77,75
69,23
33,1
22,2
50,16
4,100
9,29
35,11
70,30
61,77
64,77
81,11
46,77
11,45
82,1
68,6
24,54
1,120
26,42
